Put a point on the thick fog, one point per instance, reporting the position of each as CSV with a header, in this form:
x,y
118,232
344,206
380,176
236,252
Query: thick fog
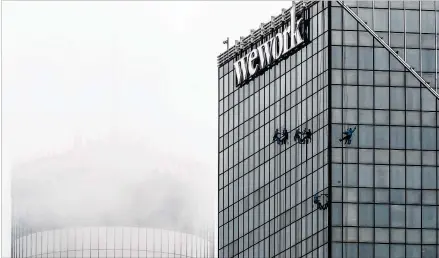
x,y
146,69
115,184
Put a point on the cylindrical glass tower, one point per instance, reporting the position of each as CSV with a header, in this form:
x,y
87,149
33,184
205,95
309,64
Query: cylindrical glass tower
x,y
112,201
110,242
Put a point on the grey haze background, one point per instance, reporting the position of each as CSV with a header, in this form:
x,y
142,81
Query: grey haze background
x,y
76,73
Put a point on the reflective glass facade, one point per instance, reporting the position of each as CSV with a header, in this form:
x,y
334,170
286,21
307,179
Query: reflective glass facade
x,y
383,187
265,189
114,242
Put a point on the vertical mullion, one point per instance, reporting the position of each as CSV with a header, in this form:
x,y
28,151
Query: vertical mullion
x,y
358,121
342,86
435,46
390,147
329,158
421,70
421,126
373,138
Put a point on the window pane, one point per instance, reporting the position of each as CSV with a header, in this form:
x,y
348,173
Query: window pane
x,y
412,23
350,214
381,59
397,215
413,219
382,235
413,137
412,40
429,216
381,176
365,250
366,215
348,22
366,100
381,195
397,137
365,174
396,20
381,251
413,58
382,97
365,57
428,177
397,176
397,236
397,39
397,117
397,157
413,251
397,98
397,251
428,100
350,57
365,134
336,18
336,96
426,21
365,116
381,20
381,215
350,38
350,96
414,236
429,251
365,77
413,177
381,137
428,60
336,57
397,196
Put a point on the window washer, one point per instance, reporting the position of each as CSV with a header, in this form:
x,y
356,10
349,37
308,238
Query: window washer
x,y
276,136
319,204
297,136
284,136
308,134
348,135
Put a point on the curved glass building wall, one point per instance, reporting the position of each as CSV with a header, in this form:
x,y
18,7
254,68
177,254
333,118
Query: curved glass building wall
x,y
116,242
108,200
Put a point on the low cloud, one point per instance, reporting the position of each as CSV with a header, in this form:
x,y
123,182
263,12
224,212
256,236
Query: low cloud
x,y
115,184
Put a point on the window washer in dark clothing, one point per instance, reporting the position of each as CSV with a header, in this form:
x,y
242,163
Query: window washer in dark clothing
x,y
297,136
284,136
308,134
319,204
276,136
348,135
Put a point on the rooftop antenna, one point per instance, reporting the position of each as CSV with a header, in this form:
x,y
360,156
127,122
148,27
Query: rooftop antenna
x,y
237,48
262,29
272,24
252,36
293,14
284,14
226,42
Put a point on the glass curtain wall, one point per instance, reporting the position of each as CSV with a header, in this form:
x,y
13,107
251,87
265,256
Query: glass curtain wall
x,y
385,184
265,189
410,27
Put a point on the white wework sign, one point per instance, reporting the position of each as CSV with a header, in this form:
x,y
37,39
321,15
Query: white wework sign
x,y
270,51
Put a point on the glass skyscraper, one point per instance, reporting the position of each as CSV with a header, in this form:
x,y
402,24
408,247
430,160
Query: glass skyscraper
x,y
370,66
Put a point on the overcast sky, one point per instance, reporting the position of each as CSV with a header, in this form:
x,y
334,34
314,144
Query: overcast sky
x,y
86,71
